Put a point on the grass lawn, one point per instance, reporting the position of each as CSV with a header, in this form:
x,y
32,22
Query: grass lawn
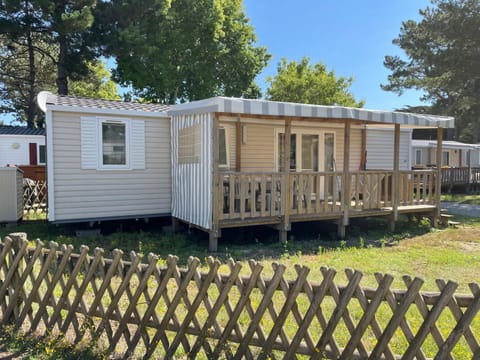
x,y
461,198
415,250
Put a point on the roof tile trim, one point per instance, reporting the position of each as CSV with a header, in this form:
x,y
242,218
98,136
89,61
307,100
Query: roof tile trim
x,y
91,103
21,130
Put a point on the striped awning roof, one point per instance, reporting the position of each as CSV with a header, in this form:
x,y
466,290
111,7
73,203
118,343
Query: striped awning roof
x,y
274,108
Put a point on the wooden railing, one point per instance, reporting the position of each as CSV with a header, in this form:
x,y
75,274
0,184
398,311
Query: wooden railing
x,y
460,176
475,175
248,195
371,189
417,187
455,176
315,193
139,309
254,195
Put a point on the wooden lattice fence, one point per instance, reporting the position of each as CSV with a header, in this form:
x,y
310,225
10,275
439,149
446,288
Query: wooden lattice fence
x,y
161,310
34,196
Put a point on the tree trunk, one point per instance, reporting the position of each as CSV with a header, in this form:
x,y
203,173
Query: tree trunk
x,y
62,82
32,108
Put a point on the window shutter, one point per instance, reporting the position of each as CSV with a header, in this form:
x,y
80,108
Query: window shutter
x,y
32,151
89,146
137,156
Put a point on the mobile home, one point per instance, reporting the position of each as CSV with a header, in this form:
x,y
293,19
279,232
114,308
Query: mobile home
x,y
227,162
107,159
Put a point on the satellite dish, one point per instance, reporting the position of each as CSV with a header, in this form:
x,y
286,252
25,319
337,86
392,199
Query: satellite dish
x,y
42,100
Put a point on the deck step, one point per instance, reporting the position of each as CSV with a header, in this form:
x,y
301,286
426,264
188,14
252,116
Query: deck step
x,y
453,224
446,219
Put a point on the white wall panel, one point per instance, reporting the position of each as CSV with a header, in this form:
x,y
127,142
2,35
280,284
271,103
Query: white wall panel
x,y
192,183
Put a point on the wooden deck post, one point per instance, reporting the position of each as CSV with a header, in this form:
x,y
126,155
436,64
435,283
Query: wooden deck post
x,y
363,155
238,143
286,190
175,224
396,177
214,231
346,181
438,179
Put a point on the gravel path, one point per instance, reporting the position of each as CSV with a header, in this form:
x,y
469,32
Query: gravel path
x,y
461,209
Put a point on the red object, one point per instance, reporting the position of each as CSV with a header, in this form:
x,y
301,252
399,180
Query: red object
x,y
32,149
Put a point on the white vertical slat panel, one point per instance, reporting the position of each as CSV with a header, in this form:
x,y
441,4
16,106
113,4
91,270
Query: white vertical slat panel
x,y
89,146
137,155
380,149
191,185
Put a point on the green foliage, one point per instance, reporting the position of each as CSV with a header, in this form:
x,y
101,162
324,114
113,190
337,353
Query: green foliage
x,y
19,87
43,43
302,82
98,84
183,50
68,23
462,198
443,59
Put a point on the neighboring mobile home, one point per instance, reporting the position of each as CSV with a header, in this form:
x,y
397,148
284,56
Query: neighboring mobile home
x,y
23,147
459,161
454,154
226,162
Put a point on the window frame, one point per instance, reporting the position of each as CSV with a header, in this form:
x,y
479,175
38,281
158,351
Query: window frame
x,y
417,158
298,158
227,147
100,164
448,157
189,145
39,152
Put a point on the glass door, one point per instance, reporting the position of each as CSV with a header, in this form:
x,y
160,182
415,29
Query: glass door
x,y
309,152
329,152
293,151
328,147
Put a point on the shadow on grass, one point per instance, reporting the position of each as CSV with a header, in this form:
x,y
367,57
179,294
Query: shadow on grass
x,y
14,344
256,243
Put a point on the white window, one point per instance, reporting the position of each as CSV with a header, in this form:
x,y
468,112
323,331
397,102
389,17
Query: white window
x,y
112,144
223,158
445,158
418,157
41,154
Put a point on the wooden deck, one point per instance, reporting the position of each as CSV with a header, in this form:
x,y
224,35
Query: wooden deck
x,y
460,177
267,198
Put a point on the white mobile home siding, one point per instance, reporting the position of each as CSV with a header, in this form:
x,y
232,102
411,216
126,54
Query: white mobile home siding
x,y
17,154
81,194
193,182
380,149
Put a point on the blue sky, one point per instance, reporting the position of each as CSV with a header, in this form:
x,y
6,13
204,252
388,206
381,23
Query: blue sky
x,y
350,37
